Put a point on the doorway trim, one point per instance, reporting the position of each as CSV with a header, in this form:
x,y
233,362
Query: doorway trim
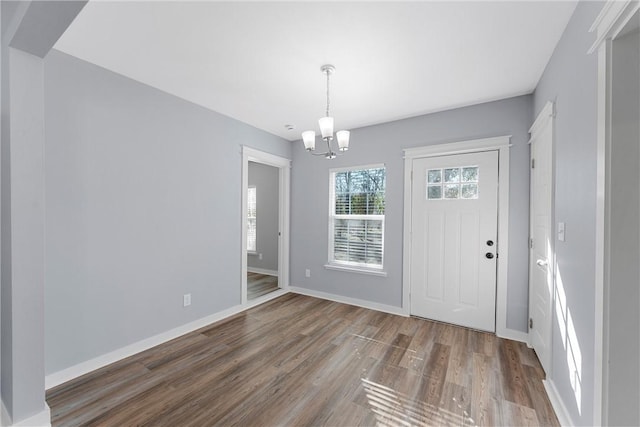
x,y
607,26
500,144
284,181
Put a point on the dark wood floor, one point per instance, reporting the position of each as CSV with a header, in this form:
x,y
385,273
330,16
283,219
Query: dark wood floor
x,y
298,360
260,284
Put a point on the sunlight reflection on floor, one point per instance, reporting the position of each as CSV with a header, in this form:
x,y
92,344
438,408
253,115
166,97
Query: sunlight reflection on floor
x,y
395,409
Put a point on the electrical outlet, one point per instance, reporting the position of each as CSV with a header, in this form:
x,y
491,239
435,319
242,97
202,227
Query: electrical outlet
x,y
307,273
186,300
561,231
259,256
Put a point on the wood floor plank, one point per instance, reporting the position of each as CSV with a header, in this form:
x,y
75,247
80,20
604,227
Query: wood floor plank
x,y
299,360
514,381
260,284
544,410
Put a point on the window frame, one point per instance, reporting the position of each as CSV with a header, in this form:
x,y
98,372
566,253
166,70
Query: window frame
x,y
332,263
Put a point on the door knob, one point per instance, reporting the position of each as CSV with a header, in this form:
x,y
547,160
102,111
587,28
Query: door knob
x,y
489,255
542,262
489,242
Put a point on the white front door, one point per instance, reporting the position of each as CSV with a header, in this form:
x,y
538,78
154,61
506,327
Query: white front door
x,y
541,284
454,247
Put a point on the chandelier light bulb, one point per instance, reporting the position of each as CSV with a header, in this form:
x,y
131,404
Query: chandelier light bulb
x,y
309,139
343,140
326,127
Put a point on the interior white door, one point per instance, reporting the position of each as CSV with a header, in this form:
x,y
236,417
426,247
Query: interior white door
x,y
541,284
454,247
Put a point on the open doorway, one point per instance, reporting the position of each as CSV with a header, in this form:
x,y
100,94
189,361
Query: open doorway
x,y
262,229
265,201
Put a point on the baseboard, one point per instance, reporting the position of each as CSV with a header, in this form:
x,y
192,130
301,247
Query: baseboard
x,y
82,368
265,298
5,419
351,301
512,334
262,271
41,419
558,406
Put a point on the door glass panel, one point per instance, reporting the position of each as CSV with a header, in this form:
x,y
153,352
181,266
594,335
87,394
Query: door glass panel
x,y
451,191
469,191
452,175
434,192
434,176
470,174
459,183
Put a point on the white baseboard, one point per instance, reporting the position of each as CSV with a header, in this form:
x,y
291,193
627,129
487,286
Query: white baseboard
x,y
5,419
351,301
512,334
558,405
82,368
262,271
41,419
266,297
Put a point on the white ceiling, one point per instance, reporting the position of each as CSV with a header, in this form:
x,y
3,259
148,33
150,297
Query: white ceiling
x,y
260,62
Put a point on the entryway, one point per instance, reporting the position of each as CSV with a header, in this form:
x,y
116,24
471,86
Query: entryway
x,y
456,208
265,229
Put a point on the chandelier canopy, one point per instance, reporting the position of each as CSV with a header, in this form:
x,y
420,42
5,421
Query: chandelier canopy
x,y
326,128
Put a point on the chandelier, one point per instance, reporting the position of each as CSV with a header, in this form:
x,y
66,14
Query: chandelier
x,y
326,128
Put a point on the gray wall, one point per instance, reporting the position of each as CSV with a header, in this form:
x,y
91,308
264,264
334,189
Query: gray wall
x,y
624,291
570,79
383,144
23,240
266,180
143,205
28,30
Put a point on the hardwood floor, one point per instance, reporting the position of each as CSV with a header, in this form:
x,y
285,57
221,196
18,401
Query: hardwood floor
x,y
298,360
260,284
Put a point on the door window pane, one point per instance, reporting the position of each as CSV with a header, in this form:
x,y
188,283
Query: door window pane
x,y
452,175
434,176
459,183
469,191
451,191
434,192
470,174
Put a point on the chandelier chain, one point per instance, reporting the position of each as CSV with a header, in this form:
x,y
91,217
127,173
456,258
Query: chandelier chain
x,y
328,73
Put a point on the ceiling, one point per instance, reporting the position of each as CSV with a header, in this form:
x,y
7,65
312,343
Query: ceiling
x,y
259,62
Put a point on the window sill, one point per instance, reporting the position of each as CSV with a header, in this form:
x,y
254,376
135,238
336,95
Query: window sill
x,y
361,270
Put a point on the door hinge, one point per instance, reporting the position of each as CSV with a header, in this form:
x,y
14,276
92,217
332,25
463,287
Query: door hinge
x,y
531,243
530,323
533,163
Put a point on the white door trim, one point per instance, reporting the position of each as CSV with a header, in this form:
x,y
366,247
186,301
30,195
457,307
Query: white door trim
x,y
284,178
608,24
500,144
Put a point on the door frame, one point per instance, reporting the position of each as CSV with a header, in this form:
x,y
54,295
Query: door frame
x,y
500,144
284,184
544,119
607,27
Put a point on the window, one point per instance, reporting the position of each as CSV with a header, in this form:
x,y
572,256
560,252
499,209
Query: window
x,y
251,219
459,183
356,219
